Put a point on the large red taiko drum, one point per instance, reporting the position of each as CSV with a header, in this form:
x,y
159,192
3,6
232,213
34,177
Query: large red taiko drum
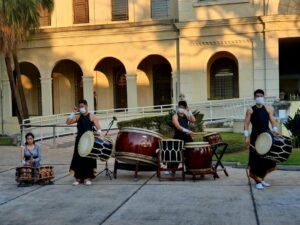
x,y
137,145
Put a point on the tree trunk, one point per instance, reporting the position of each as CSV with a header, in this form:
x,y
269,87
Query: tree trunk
x,y
19,86
14,90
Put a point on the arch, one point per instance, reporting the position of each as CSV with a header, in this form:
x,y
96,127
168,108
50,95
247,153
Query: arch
x,y
223,77
67,87
110,87
30,78
154,81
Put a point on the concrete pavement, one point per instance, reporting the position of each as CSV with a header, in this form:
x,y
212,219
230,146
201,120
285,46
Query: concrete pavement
x,y
228,200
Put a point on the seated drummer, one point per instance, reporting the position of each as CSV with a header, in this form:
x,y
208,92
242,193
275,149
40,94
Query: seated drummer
x,y
259,116
30,152
181,120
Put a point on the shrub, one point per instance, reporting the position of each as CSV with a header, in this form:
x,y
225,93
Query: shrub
x,y
293,125
162,124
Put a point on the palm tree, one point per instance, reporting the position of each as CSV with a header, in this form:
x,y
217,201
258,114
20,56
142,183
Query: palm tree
x,y
19,19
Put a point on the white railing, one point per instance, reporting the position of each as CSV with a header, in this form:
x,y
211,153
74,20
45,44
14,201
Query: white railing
x,y
54,125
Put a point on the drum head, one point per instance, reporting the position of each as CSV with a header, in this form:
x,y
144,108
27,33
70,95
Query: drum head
x,y
263,143
86,143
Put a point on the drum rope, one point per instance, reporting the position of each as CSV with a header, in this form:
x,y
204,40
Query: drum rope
x,y
126,200
253,198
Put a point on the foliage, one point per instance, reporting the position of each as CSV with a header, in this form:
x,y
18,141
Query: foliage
x,y
293,125
162,124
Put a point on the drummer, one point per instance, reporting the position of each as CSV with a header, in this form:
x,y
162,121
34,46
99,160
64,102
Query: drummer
x,y
181,120
83,168
30,152
259,116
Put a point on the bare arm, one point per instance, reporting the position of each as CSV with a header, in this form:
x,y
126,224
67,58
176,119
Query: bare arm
x,y
189,115
178,126
273,121
246,125
247,118
22,153
72,118
95,120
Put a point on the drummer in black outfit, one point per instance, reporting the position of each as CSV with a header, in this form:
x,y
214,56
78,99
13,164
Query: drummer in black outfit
x,y
83,169
181,121
259,116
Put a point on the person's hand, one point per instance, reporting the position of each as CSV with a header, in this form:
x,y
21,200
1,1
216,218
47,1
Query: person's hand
x,y
247,140
276,133
75,109
191,133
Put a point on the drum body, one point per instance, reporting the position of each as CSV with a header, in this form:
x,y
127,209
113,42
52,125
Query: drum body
x,y
137,145
198,157
24,174
45,173
95,147
275,148
213,138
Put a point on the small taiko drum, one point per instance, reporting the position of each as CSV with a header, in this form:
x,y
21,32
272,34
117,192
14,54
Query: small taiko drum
x,y
274,148
95,147
45,173
198,157
213,138
137,145
24,174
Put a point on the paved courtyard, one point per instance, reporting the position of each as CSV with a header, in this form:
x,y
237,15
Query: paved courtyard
x,y
228,200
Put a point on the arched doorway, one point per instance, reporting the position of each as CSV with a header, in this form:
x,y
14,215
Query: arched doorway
x,y
30,78
223,76
154,80
67,86
110,84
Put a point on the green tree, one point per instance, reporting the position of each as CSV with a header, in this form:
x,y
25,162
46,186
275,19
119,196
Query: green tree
x,y
19,19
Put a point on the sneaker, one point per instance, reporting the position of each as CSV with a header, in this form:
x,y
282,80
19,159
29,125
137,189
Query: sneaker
x,y
259,186
167,172
75,183
88,183
265,184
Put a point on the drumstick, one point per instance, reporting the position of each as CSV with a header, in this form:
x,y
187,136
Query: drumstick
x,y
252,146
195,133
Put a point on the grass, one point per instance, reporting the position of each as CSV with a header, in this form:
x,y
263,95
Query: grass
x,y
4,140
237,150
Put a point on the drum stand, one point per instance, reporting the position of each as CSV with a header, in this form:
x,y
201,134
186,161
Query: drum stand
x,y
108,172
219,157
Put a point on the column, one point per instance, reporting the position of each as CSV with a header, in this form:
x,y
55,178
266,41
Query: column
x,y
174,88
47,100
272,65
131,90
88,90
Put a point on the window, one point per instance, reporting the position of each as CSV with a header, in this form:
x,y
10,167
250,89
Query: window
x,y
224,79
45,17
119,10
81,11
159,9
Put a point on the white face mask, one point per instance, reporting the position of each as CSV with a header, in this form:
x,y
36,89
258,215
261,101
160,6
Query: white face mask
x,y
181,110
260,100
82,110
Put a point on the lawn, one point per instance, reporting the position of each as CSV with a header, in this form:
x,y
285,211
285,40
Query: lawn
x,y
237,150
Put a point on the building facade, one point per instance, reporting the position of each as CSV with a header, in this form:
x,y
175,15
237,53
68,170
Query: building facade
x,y
133,53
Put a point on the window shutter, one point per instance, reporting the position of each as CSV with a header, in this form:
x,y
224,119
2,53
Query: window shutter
x,y
81,11
119,10
159,9
45,17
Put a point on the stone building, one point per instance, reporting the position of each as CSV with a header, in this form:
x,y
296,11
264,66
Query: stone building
x,y
134,53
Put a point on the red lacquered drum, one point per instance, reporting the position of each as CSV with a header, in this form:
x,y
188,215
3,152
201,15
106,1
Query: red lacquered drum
x,y
24,174
213,138
137,145
198,157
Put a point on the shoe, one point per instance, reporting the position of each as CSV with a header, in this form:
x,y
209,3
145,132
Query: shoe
x,y
259,186
265,184
167,172
75,183
88,183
